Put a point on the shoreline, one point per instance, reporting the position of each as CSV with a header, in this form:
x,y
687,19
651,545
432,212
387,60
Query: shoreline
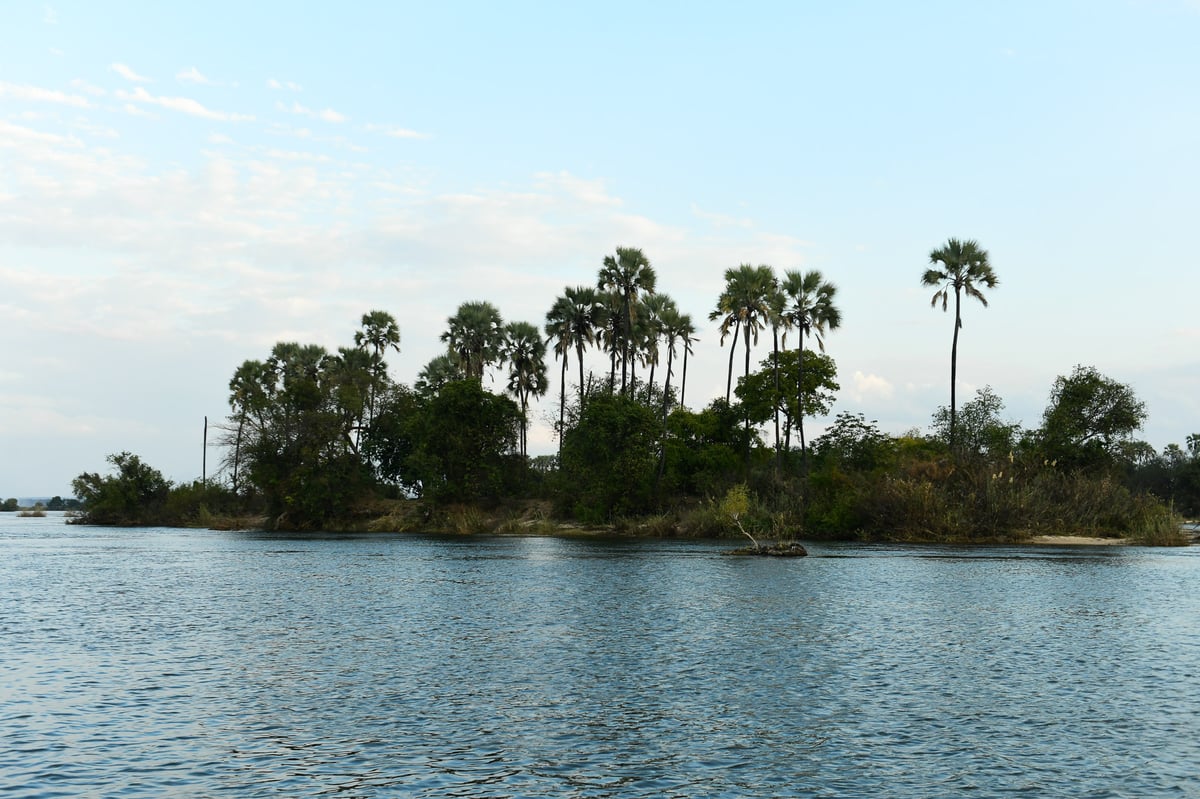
x,y
1078,541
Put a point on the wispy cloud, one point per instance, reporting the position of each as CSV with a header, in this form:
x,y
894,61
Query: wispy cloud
x,y
50,17
128,74
88,88
282,85
328,114
37,94
193,75
396,132
184,105
721,220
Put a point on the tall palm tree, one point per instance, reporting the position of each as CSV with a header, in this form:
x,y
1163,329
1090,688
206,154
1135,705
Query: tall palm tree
x,y
475,336
810,310
630,276
572,324
379,334
675,329
654,328
526,355
744,306
688,329
964,269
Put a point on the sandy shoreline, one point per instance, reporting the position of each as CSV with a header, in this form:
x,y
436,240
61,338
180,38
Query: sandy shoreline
x,y
1078,540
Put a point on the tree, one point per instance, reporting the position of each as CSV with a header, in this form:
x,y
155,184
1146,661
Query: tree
x,y
981,430
379,334
248,398
744,306
475,336
1088,419
629,276
440,370
465,436
526,355
135,494
607,466
571,324
810,310
964,269
768,391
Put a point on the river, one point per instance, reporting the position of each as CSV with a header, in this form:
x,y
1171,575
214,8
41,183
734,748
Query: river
x,y
189,663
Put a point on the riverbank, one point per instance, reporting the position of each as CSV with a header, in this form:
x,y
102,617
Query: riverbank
x,y
536,517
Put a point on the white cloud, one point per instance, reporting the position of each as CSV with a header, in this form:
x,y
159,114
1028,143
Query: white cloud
x,y
328,114
279,86
40,95
193,75
184,105
50,17
128,74
721,220
868,387
87,88
136,111
591,192
396,132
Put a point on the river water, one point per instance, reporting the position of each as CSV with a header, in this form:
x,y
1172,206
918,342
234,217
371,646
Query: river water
x,y
179,663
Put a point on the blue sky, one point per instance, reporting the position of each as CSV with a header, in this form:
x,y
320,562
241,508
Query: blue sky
x,y
183,186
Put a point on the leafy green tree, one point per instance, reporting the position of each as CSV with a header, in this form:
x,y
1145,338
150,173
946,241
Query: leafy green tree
x,y
1089,418
525,353
981,429
135,494
704,449
628,277
855,443
810,309
768,392
964,268
465,438
9,505
609,458
475,336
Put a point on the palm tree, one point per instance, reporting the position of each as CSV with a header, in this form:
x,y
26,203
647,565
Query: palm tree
x,y
571,324
743,306
440,370
475,336
526,355
964,268
248,394
809,308
630,276
379,334
655,307
688,329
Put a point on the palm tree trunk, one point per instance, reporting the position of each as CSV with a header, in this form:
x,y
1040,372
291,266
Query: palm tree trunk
x,y
800,405
562,404
746,413
954,370
683,377
775,369
662,455
732,346
579,356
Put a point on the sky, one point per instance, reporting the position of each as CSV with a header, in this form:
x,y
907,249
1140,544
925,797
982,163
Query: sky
x,y
183,185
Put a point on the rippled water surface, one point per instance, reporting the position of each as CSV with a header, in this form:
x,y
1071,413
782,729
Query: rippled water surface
x,y
169,663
